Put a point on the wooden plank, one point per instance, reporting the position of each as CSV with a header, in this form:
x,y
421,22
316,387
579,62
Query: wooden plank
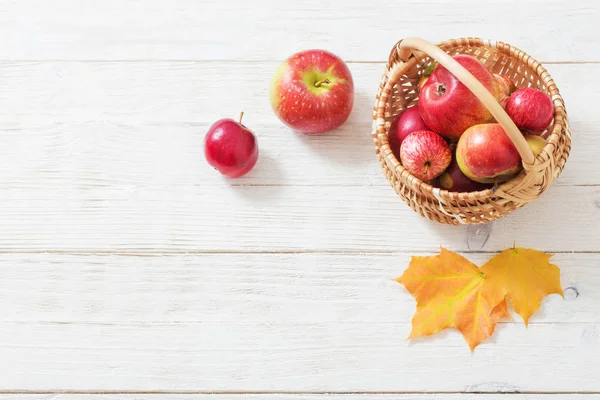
x,y
210,288
169,155
284,396
346,357
43,215
211,30
143,123
202,92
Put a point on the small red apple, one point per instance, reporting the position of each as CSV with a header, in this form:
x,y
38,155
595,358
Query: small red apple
x,y
454,180
230,147
425,154
530,109
486,154
505,84
312,92
448,106
404,124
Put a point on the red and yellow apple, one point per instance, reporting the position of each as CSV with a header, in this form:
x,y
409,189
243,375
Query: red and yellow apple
x,y
530,109
425,154
486,154
426,74
448,107
421,82
505,84
403,125
312,92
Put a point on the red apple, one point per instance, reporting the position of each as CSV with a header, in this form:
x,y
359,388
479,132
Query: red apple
x,y
230,147
404,124
448,107
425,154
486,154
536,143
505,84
454,180
312,92
530,109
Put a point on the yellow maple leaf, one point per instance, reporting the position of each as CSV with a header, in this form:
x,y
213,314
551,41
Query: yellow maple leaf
x,y
451,292
525,276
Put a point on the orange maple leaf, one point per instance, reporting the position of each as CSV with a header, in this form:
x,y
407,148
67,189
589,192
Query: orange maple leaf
x,y
525,276
451,292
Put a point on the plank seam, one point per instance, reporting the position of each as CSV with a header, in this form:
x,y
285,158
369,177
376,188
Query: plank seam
x,y
275,393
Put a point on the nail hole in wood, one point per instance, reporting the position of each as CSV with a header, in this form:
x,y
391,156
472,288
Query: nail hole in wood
x,y
571,293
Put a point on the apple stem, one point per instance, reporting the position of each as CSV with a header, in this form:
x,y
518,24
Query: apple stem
x,y
241,116
440,89
322,81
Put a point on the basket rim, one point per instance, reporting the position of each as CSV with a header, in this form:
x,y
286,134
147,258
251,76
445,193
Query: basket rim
x,y
394,69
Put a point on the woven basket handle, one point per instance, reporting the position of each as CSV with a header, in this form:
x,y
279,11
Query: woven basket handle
x,y
405,48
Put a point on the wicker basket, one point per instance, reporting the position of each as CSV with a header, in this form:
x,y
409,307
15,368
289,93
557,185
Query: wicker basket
x,y
398,91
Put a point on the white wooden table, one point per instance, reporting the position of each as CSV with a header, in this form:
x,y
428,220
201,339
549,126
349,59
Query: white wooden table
x,y
130,270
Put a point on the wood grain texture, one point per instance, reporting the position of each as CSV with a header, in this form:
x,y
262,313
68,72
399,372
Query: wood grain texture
x,y
171,155
60,216
165,92
128,265
283,396
270,29
278,356
142,124
229,288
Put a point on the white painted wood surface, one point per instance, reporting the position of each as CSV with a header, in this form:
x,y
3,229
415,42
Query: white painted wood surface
x,y
279,396
128,267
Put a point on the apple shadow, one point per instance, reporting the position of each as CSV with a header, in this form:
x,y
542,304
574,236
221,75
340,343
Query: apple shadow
x,y
349,144
265,181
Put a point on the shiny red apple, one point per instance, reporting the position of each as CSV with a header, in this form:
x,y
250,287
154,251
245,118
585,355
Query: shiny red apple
x,y
230,147
403,125
454,180
447,106
486,154
312,92
530,109
506,85
425,154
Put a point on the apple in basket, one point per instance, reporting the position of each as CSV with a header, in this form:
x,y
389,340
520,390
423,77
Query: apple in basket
x,y
425,154
530,109
454,180
505,84
448,107
426,74
536,143
403,125
312,92
486,154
